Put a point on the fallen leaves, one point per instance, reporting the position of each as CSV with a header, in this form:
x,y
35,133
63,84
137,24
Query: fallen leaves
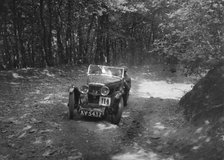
x,y
45,131
76,156
27,127
22,135
11,120
26,124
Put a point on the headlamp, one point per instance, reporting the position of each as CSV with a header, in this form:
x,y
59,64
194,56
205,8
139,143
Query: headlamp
x,y
84,89
104,91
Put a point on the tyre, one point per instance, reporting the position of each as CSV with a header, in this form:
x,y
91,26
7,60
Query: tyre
x,y
125,97
127,88
115,117
71,105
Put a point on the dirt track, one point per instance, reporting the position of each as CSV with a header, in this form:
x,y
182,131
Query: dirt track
x,y
34,123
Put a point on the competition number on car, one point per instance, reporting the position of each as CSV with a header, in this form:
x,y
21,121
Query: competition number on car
x,y
104,101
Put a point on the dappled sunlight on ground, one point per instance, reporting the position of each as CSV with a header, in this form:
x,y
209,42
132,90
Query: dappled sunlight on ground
x,y
14,83
52,98
140,154
106,126
37,91
162,89
47,99
16,75
97,126
46,72
34,115
159,126
125,114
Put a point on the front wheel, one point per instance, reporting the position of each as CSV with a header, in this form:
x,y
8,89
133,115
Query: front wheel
x,y
115,117
71,105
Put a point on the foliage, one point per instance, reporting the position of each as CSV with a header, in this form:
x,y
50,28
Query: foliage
x,y
52,32
194,33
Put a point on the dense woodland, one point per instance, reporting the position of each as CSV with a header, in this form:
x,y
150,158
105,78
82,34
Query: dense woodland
x,y
40,33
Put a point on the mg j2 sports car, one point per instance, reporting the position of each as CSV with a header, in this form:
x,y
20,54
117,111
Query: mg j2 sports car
x,y
104,95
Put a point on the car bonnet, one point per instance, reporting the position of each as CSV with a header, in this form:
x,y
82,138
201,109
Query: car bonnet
x,y
102,79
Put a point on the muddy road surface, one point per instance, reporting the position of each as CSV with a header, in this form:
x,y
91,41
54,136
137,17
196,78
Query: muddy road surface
x,y
34,122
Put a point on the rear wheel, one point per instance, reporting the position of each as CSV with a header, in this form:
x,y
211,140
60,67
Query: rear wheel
x,y
127,88
115,117
71,105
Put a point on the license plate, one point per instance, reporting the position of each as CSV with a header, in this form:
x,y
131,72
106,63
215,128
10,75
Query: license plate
x,y
91,113
104,101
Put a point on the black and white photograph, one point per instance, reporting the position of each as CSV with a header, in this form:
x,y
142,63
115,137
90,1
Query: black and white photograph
x,y
111,79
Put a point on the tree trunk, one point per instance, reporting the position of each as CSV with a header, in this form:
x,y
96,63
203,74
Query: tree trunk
x,y
22,52
132,51
43,35
59,27
68,33
107,39
88,47
102,32
16,56
49,56
108,48
81,56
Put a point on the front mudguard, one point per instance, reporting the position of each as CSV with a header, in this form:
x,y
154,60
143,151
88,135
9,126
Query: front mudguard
x,y
75,91
114,113
117,97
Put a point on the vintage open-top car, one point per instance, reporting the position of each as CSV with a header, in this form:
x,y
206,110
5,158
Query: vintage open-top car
x,y
104,95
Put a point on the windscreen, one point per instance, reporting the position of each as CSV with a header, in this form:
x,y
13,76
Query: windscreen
x,y
105,70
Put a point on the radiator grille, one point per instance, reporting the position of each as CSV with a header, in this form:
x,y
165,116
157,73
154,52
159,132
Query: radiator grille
x,y
94,94
94,89
93,99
